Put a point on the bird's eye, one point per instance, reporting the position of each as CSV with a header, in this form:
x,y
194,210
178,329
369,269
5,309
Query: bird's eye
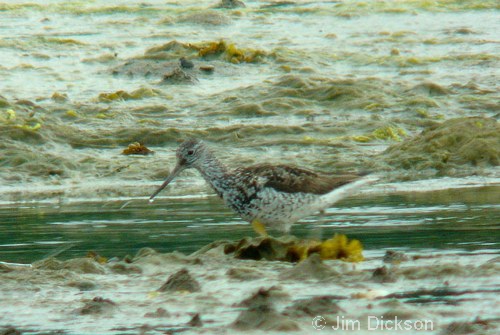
x,y
190,152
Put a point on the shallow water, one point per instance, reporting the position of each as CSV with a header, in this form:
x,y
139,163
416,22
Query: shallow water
x,y
457,219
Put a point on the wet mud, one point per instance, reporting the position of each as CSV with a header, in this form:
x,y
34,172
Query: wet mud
x,y
281,297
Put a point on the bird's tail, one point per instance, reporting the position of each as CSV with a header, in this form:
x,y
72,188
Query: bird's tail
x,y
345,191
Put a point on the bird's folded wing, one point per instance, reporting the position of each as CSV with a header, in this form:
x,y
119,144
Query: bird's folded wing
x,y
290,179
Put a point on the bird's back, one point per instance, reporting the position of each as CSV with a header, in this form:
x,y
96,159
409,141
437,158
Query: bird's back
x,y
290,179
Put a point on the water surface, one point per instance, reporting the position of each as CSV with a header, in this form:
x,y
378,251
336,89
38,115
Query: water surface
x,y
457,219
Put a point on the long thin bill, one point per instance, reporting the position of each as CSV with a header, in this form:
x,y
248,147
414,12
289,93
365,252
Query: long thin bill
x,y
167,181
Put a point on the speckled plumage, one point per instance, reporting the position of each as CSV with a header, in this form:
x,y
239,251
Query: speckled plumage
x,y
275,195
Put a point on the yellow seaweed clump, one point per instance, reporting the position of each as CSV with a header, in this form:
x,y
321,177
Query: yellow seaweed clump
x,y
212,49
140,93
137,149
59,97
10,117
337,247
293,249
230,52
29,127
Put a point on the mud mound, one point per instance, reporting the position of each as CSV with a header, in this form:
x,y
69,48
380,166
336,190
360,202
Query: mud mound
x,y
181,281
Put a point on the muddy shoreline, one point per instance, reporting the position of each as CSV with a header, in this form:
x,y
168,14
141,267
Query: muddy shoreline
x,y
211,292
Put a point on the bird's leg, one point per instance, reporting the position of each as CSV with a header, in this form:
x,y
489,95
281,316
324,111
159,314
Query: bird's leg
x,y
259,227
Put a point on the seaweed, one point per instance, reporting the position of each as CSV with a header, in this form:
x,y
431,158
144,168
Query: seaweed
x,y
337,247
386,133
229,52
10,118
121,95
471,140
137,148
291,249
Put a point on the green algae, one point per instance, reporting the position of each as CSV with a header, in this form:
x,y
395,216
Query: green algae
x,y
409,60
473,141
311,96
251,109
335,94
389,133
385,133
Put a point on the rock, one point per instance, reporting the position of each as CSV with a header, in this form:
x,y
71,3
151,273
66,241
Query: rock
x,y
186,63
181,281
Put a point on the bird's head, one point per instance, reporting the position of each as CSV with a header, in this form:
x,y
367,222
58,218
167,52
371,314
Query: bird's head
x,y
189,155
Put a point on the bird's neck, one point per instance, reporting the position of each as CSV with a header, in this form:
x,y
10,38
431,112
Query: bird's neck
x,y
216,174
